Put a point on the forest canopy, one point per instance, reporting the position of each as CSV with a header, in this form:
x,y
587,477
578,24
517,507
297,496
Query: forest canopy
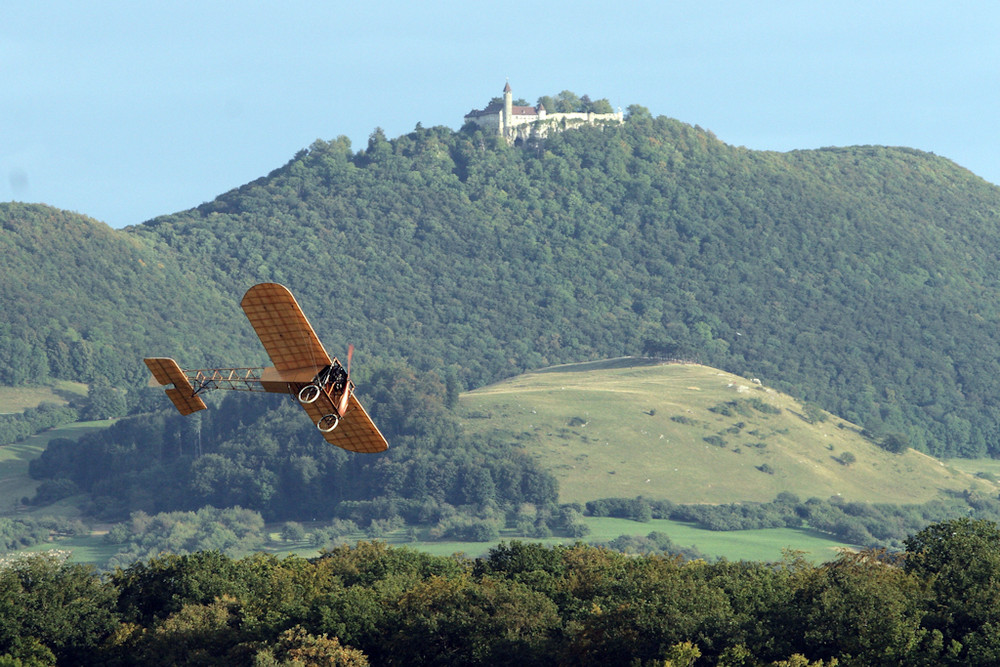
x,y
522,604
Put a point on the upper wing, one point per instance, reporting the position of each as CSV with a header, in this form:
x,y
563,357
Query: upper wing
x,y
283,329
356,431
166,371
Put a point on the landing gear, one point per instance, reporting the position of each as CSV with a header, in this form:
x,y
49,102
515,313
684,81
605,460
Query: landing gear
x,y
328,423
309,393
331,377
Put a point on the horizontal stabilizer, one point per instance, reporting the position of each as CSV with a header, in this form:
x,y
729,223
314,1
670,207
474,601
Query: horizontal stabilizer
x,y
166,372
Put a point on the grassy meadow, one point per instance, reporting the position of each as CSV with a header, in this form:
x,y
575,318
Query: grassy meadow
x,y
694,434
60,392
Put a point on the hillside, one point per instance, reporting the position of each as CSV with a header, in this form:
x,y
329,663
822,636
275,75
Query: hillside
x,y
82,301
692,434
861,279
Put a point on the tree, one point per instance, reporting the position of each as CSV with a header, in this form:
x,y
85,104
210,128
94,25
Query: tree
x,y
862,606
897,443
548,102
485,621
960,559
292,531
637,112
64,606
601,106
104,401
567,101
847,458
296,646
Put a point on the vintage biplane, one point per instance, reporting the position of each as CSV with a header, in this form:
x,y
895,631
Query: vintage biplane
x,y
302,368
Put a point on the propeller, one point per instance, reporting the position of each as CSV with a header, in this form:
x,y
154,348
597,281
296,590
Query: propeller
x,y
345,397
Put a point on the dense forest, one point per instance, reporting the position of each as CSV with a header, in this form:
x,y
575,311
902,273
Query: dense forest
x,y
862,279
522,604
272,461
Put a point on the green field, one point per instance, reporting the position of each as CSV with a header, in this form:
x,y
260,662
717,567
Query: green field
x,y
61,392
759,545
987,467
626,428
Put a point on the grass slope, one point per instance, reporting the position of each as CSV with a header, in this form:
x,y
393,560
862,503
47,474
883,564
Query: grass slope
x,y
630,427
60,392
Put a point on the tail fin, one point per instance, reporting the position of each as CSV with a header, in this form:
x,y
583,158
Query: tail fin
x,y
166,371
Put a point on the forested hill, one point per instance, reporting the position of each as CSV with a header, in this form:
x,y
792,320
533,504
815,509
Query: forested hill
x,y
863,279
83,301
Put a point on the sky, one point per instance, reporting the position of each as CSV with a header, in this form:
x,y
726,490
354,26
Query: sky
x,y
124,110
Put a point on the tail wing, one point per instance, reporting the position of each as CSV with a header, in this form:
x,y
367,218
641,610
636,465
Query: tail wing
x,y
166,371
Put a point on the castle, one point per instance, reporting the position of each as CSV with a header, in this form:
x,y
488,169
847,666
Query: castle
x,y
518,123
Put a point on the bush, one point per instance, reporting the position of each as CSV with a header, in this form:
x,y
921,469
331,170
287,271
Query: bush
x,y
716,440
292,531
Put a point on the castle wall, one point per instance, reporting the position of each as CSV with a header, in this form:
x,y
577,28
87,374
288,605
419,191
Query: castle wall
x,y
519,123
557,122
493,121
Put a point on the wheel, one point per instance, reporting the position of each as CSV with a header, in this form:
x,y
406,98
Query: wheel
x,y
328,423
309,393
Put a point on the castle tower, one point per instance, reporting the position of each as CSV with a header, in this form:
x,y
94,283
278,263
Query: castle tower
x,y
508,109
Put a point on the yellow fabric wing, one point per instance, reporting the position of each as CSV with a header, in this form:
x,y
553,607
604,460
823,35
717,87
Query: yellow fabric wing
x,y
283,328
356,431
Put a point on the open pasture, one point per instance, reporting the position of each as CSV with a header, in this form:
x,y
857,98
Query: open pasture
x,y
694,434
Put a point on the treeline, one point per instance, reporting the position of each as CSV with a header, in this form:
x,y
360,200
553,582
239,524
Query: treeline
x,y
523,604
231,531
20,425
868,525
236,531
21,532
260,452
567,101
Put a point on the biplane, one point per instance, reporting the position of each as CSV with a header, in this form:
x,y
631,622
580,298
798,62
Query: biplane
x,y
302,368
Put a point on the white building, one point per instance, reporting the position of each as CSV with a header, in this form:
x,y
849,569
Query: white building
x,y
518,122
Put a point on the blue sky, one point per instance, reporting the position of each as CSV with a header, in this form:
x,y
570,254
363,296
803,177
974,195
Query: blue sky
x,y
126,110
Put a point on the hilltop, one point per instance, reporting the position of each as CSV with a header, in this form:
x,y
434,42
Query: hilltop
x,y
693,434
